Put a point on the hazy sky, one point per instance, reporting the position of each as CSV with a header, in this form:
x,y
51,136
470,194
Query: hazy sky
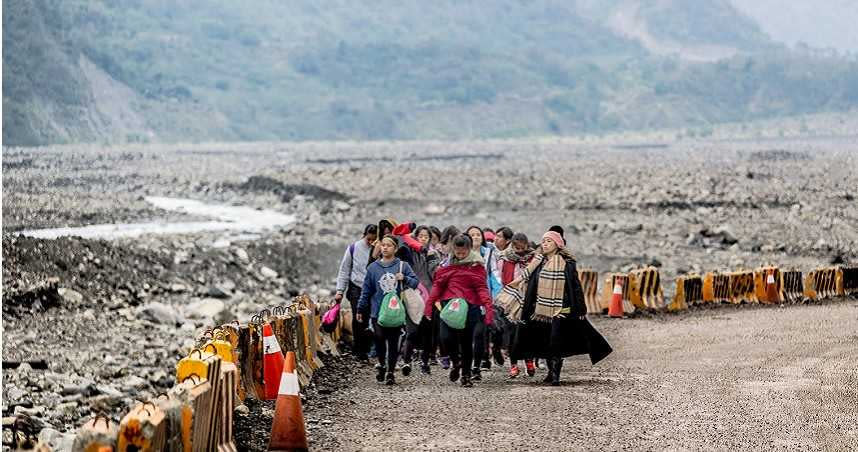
x,y
819,23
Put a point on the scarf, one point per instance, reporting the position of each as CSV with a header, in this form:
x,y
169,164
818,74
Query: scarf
x,y
472,258
550,287
511,256
549,291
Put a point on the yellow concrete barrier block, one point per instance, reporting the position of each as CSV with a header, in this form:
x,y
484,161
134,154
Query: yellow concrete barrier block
x,y
645,290
689,292
227,403
590,286
767,284
716,287
792,286
196,399
96,435
848,280
143,429
741,287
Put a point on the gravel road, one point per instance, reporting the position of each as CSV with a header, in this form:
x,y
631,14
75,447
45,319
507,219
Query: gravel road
x,y
727,379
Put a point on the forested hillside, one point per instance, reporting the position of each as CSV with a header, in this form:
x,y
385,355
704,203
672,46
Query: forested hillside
x,y
156,70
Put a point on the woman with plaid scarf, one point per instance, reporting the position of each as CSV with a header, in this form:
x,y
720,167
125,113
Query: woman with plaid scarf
x,y
553,310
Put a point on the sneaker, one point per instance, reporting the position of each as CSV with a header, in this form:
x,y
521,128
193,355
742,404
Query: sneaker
x,y
498,356
514,371
486,364
540,364
434,361
454,374
379,373
466,382
406,369
425,369
475,370
391,380
531,369
478,376
445,362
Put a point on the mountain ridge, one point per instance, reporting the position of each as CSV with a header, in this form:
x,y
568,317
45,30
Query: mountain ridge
x,y
148,70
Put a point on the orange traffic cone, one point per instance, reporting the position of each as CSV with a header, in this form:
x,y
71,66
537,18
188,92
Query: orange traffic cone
x,y
272,364
287,430
615,309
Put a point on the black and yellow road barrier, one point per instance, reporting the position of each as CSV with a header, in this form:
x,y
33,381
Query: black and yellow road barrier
x,y
645,290
689,292
590,285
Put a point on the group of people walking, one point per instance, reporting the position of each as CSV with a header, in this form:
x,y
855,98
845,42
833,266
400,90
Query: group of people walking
x,y
484,295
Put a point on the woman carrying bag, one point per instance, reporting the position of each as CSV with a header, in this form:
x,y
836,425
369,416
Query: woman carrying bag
x,y
461,293
380,299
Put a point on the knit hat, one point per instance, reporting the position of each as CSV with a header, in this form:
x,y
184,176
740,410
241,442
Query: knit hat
x,y
490,236
556,238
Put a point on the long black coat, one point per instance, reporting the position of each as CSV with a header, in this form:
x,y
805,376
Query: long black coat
x,y
562,336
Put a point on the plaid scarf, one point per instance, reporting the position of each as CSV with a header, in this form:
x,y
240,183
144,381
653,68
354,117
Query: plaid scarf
x,y
549,292
510,255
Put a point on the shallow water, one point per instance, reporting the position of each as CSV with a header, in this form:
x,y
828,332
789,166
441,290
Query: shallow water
x,y
224,218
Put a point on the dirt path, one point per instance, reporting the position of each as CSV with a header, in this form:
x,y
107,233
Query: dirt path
x,y
749,378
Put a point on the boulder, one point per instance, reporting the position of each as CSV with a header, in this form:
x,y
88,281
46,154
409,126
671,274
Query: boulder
x,y
207,309
158,312
69,296
434,209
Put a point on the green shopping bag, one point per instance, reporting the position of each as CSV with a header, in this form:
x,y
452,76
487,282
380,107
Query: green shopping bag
x,y
455,313
391,313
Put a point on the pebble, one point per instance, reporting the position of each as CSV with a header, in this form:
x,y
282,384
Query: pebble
x,y
268,273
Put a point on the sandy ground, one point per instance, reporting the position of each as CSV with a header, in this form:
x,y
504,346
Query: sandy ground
x,y
726,379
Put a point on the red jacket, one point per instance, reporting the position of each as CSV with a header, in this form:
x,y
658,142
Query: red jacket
x,y
461,281
404,231
508,269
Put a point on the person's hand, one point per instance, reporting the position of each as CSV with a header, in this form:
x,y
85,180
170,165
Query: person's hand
x,y
338,297
583,317
428,317
400,276
359,317
515,283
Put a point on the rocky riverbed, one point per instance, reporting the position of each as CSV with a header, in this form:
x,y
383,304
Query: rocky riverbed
x,y
99,324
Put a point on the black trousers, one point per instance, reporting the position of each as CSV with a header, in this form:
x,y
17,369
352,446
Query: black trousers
x,y
481,344
360,335
425,335
412,339
431,336
494,335
460,343
386,344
